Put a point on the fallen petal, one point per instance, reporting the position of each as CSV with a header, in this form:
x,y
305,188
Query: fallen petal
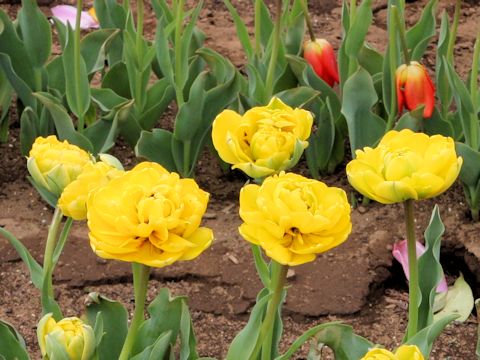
x,y
67,14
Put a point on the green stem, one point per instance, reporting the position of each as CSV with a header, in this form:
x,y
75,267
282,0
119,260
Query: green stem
x,y
275,47
403,34
178,52
264,342
62,239
413,270
139,38
308,20
353,10
139,90
141,274
392,51
50,247
126,5
76,51
258,27
186,158
453,32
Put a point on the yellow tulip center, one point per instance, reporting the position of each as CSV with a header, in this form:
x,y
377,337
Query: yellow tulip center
x,y
400,163
71,327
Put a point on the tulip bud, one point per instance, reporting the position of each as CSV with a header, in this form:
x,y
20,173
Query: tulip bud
x,y
320,55
69,335
415,88
54,164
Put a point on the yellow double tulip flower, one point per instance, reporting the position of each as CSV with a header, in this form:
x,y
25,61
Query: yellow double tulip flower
x,y
265,140
294,218
149,216
405,165
404,352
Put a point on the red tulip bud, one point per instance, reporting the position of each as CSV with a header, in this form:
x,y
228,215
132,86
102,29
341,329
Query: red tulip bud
x,y
320,55
415,88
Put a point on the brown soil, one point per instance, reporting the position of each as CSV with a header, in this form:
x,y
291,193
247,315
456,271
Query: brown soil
x,y
357,283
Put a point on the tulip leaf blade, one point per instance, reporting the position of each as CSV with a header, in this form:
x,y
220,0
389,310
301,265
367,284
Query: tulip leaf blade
x,y
423,31
19,84
157,350
114,322
358,29
364,127
94,48
156,146
470,172
12,345
459,300
339,337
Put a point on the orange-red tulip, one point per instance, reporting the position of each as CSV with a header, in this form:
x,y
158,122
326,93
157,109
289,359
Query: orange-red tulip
x,y
415,88
320,55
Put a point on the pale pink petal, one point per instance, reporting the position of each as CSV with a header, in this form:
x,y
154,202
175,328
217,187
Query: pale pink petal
x,y
66,14
400,252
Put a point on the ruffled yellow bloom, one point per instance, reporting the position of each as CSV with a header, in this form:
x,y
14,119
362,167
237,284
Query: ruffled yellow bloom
x,y
265,140
294,218
76,338
148,216
73,200
404,352
405,165
54,164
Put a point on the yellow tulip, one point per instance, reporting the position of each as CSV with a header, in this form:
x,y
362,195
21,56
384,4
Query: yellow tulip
x,y
70,334
73,200
148,216
404,352
265,140
54,164
294,218
405,165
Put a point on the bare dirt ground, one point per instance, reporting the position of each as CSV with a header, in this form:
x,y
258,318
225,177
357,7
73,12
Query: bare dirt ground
x,y
357,283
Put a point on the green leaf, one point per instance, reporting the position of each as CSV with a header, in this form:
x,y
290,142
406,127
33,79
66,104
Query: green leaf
x,y
163,53
364,127
21,87
339,337
63,122
76,79
115,324
156,146
243,344
370,59
459,301
56,75
46,195
36,271
56,348
188,343
36,33
117,80
358,29
429,269
470,172
420,35
424,338
242,31
14,48
165,315
261,265
106,98
159,96
298,97
94,48
158,350
12,345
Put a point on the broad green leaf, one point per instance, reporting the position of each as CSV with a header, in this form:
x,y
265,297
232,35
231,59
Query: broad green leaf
x,y
243,344
441,80
159,96
358,29
261,265
370,59
117,80
36,33
188,343
94,48
470,172
364,127
158,350
298,97
424,338
163,53
339,337
420,35
165,315
12,345
14,48
459,301
63,122
76,78
430,270
115,326
36,271
156,146
21,87
56,75
106,98
437,125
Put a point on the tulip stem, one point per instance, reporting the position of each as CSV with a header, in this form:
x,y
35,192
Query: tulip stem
x,y
403,35
269,85
308,20
77,64
353,10
413,270
474,130
126,5
258,27
264,341
178,52
141,274
392,52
